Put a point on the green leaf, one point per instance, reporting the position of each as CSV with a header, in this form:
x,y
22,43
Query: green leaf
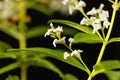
x,y
17,54
11,31
70,77
74,25
37,31
10,67
70,31
7,55
58,54
107,66
117,39
46,64
12,78
87,38
4,46
113,75
39,7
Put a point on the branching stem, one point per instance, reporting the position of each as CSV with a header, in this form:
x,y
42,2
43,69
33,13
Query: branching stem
x,y
106,40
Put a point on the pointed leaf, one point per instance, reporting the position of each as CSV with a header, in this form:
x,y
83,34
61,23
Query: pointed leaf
x,y
4,46
74,25
107,66
113,75
58,54
7,55
70,77
39,7
87,38
117,39
46,64
36,31
10,67
11,30
12,78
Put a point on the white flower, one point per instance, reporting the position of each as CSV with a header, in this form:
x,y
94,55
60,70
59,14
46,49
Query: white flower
x,y
80,4
57,41
53,30
65,2
72,4
96,25
63,39
101,7
106,24
48,32
83,21
66,54
76,52
51,25
71,9
92,12
7,9
70,40
58,29
117,6
104,15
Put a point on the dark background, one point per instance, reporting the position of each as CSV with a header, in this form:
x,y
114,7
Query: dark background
x,y
90,50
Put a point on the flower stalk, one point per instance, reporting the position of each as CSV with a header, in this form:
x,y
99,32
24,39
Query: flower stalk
x,y
22,37
108,33
106,39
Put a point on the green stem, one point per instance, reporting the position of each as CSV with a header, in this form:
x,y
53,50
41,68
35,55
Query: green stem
x,y
103,33
99,35
22,43
22,37
106,40
88,71
108,34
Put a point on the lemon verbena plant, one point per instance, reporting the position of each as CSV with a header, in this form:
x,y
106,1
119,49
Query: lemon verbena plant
x,y
95,27
15,21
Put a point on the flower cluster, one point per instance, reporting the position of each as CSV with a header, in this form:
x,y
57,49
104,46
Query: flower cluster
x,y
8,8
98,18
56,34
74,4
75,52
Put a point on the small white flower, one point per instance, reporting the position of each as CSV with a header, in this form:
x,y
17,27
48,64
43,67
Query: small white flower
x,y
63,39
48,32
70,40
83,21
66,55
71,9
93,18
51,25
106,24
92,12
96,25
80,4
117,6
55,41
72,4
65,2
76,52
104,15
101,7
53,30
58,29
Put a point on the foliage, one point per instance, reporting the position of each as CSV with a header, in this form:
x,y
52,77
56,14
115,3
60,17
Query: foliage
x,y
94,28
